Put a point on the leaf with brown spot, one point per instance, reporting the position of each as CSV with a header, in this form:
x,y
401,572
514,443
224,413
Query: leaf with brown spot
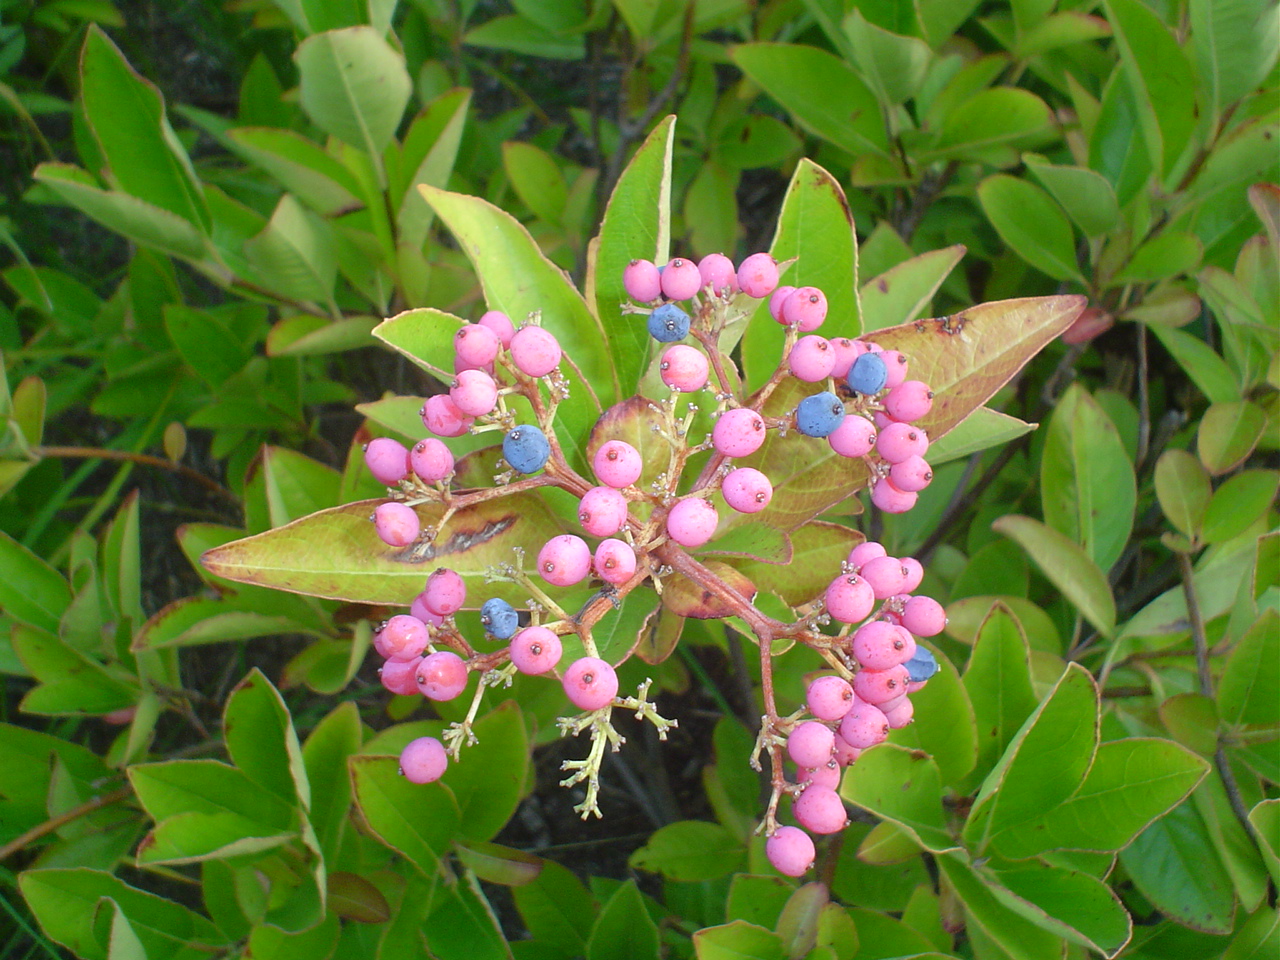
x,y
687,599
660,637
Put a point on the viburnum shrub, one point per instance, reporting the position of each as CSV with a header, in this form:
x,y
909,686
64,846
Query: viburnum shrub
x,y
683,442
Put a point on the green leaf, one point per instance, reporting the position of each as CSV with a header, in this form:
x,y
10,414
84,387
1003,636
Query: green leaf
x,y
31,591
1059,30
1160,72
1235,44
1074,905
1166,255
1066,566
1265,818
1238,503
488,780
424,335
1114,149
295,484
71,682
817,548
1086,195
295,253
211,350
1182,487
904,787
1131,783
495,863
624,930
1174,865
261,740
304,335
989,125
893,65
415,820
324,755
537,179
519,35
823,93
944,724
1031,224
192,621
428,156
354,85
981,430
557,909
1249,688
904,292
1206,369
303,168
128,119
1013,934
738,940
1228,433
1043,764
940,18
690,850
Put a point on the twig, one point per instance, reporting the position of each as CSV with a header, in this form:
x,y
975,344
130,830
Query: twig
x,y
62,819
146,460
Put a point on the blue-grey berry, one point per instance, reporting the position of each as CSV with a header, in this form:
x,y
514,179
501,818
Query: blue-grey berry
x,y
499,618
868,374
820,414
922,666
668,323
525,447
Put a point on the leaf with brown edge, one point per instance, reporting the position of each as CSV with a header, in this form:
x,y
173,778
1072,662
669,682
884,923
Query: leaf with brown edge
x,y
685,598
354,897
636,421
660,636
818,548
336,553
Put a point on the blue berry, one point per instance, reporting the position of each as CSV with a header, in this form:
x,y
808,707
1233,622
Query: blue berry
x,y
820,414
868,374
499,618
922,666
525,447
668,323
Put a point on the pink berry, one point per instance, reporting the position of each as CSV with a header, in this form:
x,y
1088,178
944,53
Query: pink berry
x,y
692,522
924,616
899,441
564,560
590,683
909,400
535,650
602,511
885,574
882,420
806,308
419,609
615,561
642,281
423,760
811,359
738,433
397,524
890,499
790,850
864,726
476,345
849,598
895,365
810,744
684,368
403,637
716,271
846,352
500,324
534,351
758,275
820,810
845,752
912,474
431,460
387,460
680,279
445,593
474,392
829,697
459,364
877,686
747,490
777,299
867,550
915,574
443,418
879,645
399,676
900,715
827,775
442,675
855,437
617,464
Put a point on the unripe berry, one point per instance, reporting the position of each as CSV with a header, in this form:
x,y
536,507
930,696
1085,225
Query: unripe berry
x,y
849,598
886,576
877,686
499,618
868,374
746,490
829,697
820,810
901,714
525,447
777,299
387,460
400,676
898,441
590,683
602,511
845,352
681,279
446,592
924,616
879,645
500,324
442,675
845,752
617,464
476,345
474,392
864,726
431,460
403,637
908,401
738,433
419,609
915,574
396,523
912,474
535,650
895,368
820,414
564,560
615,561
827,775
790,850
867,550
668,323
684,368
810,744
806,308
535,351
716,271
442,417
854,438
423,760
642,281
758,275
692,522
890,499
811,359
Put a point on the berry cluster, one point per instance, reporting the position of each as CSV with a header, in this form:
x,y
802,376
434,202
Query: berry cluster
x,y
633,532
